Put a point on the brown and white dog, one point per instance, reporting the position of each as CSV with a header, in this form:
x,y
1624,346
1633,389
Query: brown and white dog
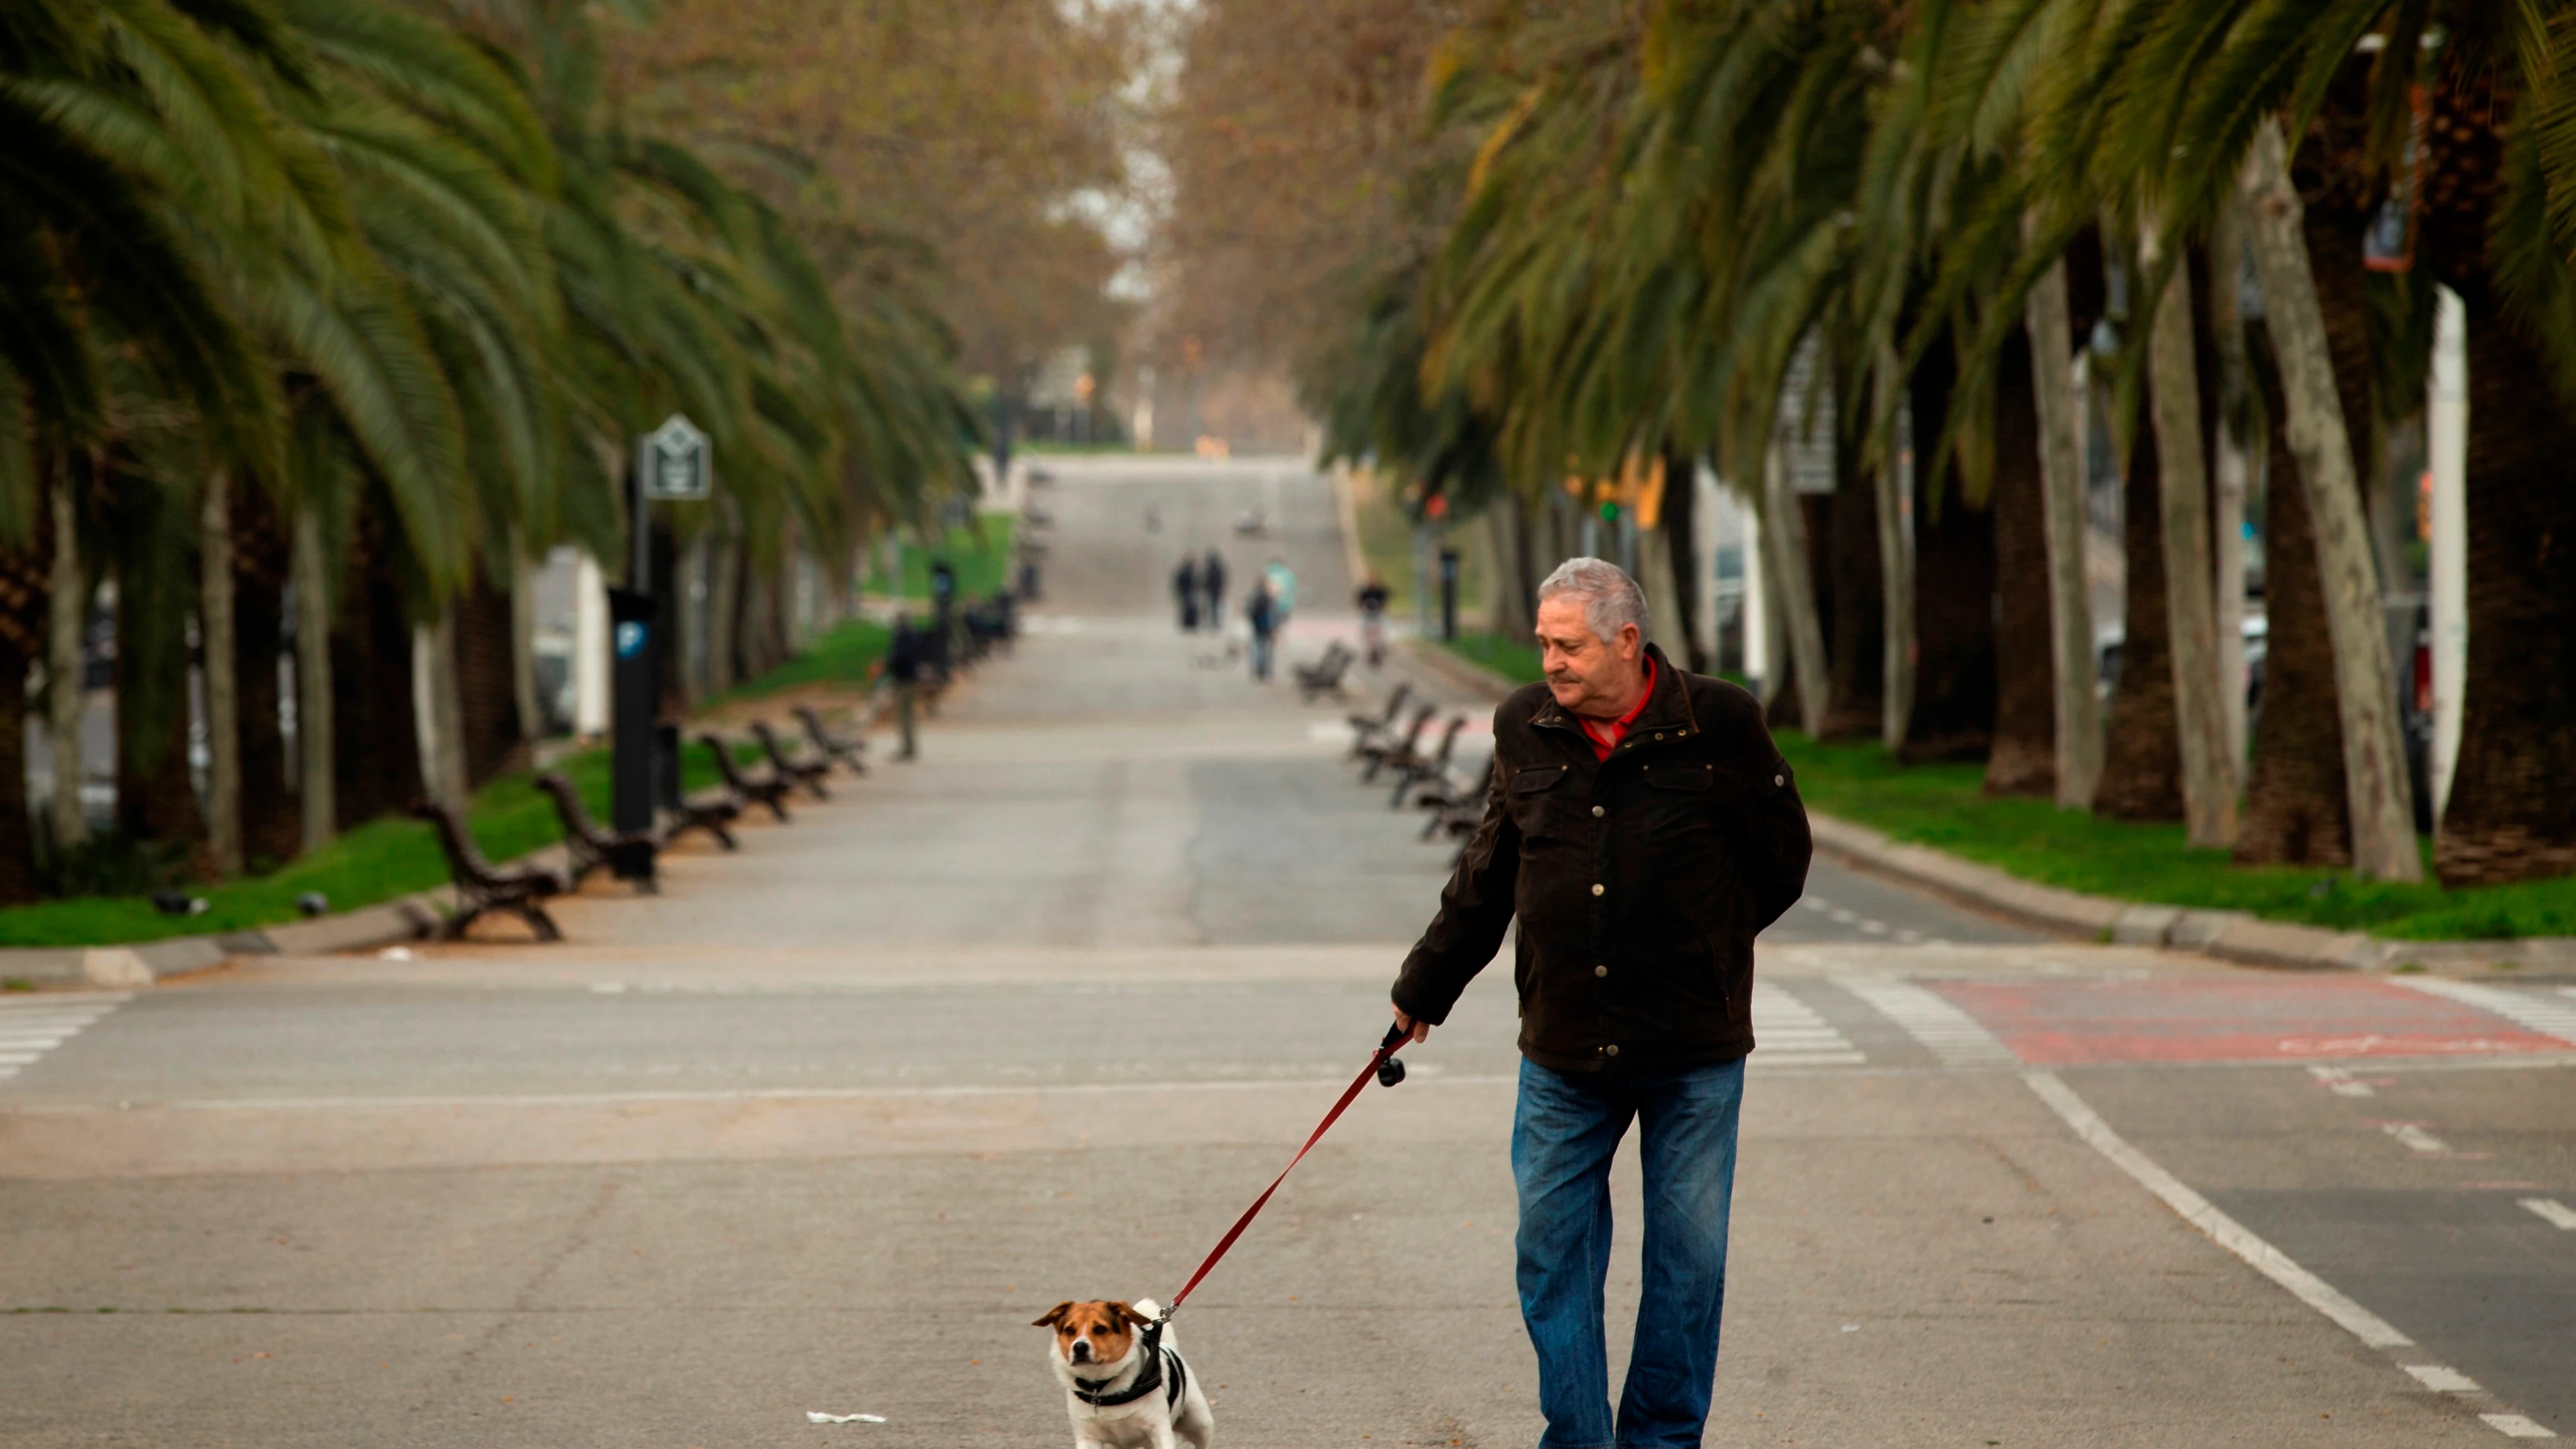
x,y
1125,1384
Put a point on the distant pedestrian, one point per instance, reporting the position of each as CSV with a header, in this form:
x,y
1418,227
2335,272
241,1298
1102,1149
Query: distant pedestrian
x,y
1283,592
1212,581
905,657
1641,827
1261,611
1372,598
1185,590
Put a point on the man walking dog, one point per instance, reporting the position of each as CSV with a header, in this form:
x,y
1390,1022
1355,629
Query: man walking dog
x,y
1643,828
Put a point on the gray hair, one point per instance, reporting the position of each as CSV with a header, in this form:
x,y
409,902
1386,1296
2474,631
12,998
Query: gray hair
x,y
1610,598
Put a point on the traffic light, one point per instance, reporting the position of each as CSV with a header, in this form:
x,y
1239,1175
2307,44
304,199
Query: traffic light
x,y
1609,510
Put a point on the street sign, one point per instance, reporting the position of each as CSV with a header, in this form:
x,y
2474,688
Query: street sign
x,y
675,462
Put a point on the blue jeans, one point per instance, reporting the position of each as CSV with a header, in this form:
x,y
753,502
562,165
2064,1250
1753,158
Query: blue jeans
x,y
1563,1137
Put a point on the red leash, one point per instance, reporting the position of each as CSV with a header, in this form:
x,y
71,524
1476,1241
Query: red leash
x,y
1382,1066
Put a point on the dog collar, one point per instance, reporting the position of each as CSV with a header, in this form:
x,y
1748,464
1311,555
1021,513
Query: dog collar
x,y
1147,1382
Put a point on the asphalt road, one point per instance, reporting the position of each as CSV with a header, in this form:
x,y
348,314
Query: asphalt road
x,y
826,1124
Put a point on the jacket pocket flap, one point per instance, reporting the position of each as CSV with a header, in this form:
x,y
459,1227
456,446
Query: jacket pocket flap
x,y
1681,777
1536,777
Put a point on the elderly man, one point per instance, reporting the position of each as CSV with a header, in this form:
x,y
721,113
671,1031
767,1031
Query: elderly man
x,y
1643,828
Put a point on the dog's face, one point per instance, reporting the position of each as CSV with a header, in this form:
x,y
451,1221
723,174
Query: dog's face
x,y
1095,1333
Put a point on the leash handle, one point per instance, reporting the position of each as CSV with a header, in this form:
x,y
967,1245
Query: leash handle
x,y
1378,1064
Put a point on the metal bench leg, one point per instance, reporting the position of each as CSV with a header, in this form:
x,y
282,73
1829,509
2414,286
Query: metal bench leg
x,y
537,919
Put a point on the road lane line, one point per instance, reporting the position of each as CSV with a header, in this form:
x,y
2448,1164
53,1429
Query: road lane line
x,y
2442,1380
1948,1033
2341,1082
2515,1426
2532,1012
2218,1227
2415,1138
2553,1212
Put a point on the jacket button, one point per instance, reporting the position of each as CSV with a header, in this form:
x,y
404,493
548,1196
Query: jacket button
x,y
1610,1051
1779,779
1659,734
1600,970
1597,811
1597,888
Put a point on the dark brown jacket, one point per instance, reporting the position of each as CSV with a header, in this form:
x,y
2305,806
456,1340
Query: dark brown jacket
x,y
1640,880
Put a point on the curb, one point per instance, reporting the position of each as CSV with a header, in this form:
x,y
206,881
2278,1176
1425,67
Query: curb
x,y
2238,936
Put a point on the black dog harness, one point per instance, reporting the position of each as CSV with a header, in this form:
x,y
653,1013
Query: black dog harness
x,y
1174,1382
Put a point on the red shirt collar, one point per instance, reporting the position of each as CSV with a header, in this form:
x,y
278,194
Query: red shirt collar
x,y
1606,737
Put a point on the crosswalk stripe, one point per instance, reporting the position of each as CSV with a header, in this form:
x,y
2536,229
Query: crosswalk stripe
x,y
32,1027
2533,1012
1948,1033
1790,1033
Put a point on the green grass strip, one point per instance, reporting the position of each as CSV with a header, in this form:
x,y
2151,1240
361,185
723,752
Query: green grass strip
x,y
397,856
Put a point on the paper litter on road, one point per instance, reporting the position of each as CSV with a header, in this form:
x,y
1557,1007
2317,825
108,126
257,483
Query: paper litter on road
x,y
816,1417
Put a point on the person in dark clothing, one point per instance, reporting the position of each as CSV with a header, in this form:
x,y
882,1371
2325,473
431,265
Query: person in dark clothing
x,y
1372,601
904,660
1642,827
1262,613
1185,589
1212,582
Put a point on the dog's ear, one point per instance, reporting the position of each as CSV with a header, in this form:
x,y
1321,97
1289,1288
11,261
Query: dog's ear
x,y
1131,1315
1055,1315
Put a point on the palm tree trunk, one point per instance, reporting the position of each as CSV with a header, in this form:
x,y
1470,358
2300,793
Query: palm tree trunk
x,y
1896,584
438,711
2077,712
485,652
223,698
2182,509
271,830
1679,520
156,798
377,767
1858,654
2374,762
2021,760
17,841
1952,564
317,768
2230,461
1785,559
2512,808
2295,808
2141,757
67,618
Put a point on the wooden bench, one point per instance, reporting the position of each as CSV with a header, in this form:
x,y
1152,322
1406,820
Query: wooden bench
x,y
1366,728
808,773
1324,676
482,887
1413,766
626,854
1379,751
770,790
850,750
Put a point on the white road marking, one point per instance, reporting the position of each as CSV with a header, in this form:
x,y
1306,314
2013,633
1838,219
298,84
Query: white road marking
x,y
2515,1426
2442,1380
1910,937
1873,928
1816,903
2227,1232
33,1026
2415,1138
1843,917
2341,1082
2524,1009
1944,1030
2553,1212
1790,1033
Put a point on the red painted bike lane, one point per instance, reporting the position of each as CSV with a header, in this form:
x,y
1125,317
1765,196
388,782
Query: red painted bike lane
x,y
2249,1019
